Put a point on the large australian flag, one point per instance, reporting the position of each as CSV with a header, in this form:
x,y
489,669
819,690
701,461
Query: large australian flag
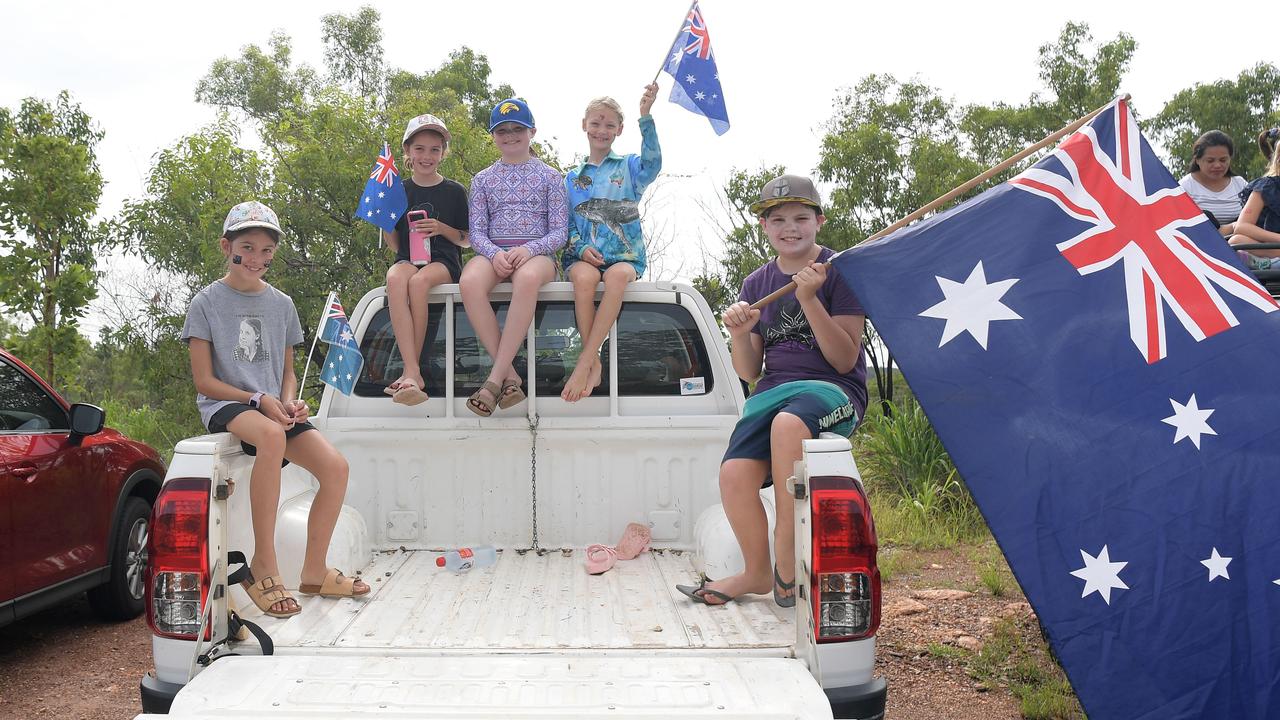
x,y
692,65
1096,361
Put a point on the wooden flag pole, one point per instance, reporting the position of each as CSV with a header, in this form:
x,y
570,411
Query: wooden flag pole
x,y
954,193
666,59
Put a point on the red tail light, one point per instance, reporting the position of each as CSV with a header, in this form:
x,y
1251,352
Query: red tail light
x,y
846,581
178,558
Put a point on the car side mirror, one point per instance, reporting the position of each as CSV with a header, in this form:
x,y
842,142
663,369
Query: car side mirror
x,y
86,420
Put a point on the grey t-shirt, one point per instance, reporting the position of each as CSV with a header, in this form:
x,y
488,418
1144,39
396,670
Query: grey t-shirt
x,y
249,333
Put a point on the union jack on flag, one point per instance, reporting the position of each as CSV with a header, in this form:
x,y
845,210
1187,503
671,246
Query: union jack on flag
x,y
1134,494
693,66
698,40
343,363
335,326
383,200
1104,188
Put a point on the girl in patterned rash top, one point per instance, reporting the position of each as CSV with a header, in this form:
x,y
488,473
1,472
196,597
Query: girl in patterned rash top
x,y
519,219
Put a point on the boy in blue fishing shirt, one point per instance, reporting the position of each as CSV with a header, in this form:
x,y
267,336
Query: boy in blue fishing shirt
x,y
605,239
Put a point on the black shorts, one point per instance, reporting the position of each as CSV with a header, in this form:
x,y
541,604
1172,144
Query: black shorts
x,y
218,423
450,264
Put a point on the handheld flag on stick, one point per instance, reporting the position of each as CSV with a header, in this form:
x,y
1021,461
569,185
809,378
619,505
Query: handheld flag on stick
x,y
693,66
383,200
1086,320
343,362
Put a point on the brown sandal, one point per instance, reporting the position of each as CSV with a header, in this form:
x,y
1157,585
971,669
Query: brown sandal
x,y
267,592
510,394
477,404
335,585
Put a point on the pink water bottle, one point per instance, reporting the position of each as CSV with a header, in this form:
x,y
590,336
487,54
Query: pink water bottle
x,y
419,243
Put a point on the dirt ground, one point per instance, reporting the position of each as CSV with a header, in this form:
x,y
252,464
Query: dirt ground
x,y
65,663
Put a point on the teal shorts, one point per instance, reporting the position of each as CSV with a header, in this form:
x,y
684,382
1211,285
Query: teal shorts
x,y
822,406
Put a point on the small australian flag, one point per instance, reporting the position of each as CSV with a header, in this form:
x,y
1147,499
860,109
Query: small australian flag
x,y
693,66
383,200
343,363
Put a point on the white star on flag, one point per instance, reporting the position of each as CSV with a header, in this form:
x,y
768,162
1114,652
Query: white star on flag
x,y
381,194
689,79
699,95
347,335
348,376
1190,421
1217,565
331,365
971,306
1100,575
366,198
393,216
370,213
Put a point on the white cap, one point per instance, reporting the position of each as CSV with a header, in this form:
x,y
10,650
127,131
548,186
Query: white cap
x,y
251,214
425,122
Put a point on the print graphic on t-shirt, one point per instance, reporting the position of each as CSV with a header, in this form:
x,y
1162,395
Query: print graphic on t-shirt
x,y
613,214
426,207
249,345
789,325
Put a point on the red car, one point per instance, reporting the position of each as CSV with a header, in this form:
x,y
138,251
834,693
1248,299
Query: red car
x,y
75,502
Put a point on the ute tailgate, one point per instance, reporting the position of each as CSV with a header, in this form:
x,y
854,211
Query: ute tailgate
x,y
500,686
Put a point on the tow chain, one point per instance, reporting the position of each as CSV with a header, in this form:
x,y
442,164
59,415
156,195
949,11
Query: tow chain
x,y
533,473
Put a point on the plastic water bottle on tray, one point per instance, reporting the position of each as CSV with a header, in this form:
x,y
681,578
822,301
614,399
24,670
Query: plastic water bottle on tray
x,y
467,558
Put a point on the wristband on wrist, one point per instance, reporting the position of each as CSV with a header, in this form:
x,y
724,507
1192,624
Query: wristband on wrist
x,y
255,400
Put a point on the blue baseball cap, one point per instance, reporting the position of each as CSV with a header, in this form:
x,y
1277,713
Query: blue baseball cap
x,y
511,110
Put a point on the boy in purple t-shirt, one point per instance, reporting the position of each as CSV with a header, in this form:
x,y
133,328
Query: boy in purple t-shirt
x,y
809,344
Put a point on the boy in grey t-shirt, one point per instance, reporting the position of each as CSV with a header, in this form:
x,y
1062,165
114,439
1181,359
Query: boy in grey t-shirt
x,y
240,333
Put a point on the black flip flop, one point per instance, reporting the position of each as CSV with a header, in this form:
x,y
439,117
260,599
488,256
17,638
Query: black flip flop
x,y
783,600
699,593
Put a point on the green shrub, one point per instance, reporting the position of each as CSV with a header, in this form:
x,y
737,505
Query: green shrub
x,y
901,458
992,578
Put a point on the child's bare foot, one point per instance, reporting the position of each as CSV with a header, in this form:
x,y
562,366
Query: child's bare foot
x,y
585,378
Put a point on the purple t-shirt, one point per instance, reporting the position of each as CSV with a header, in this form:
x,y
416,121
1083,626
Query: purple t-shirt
x,y
791,351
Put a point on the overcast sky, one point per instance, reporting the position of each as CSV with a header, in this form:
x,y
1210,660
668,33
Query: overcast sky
x,y
134,66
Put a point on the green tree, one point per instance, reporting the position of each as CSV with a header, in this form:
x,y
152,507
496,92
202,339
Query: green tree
x,y
317,132
1241,108
49,190
891,147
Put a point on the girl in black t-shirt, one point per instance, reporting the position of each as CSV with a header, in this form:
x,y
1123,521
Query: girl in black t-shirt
x,y
443,204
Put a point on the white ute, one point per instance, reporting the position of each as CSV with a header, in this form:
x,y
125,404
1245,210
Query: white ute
x,y
533,635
